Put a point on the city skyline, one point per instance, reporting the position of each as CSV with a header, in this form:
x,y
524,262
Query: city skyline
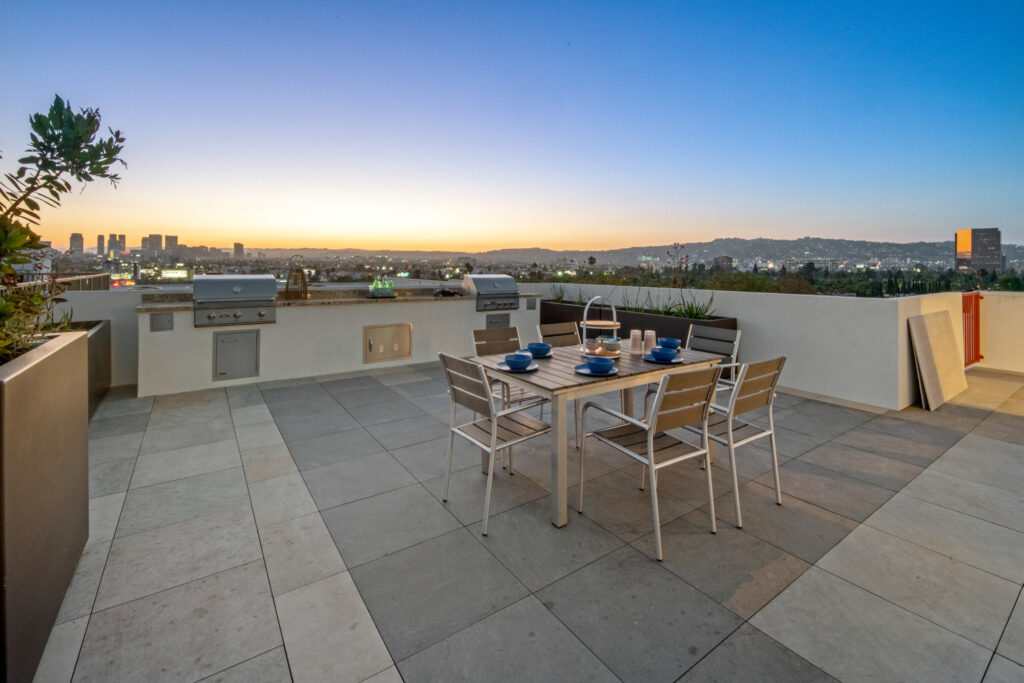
x,y
577,126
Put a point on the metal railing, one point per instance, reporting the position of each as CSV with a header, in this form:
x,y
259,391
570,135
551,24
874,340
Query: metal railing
x,y
71,283
972,327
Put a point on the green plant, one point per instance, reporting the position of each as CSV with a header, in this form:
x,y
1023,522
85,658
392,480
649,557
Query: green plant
x,y
63,147
689,307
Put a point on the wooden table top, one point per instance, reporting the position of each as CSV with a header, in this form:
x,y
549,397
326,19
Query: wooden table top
x,y
557,372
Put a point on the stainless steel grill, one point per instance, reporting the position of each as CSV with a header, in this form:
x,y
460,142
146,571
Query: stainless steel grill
x,y
493,292
234,300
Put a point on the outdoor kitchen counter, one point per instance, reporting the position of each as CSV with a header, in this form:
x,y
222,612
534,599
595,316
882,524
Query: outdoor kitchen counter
x,y
164,303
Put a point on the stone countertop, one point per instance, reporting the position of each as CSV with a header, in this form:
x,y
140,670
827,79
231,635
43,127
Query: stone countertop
x,y
165,303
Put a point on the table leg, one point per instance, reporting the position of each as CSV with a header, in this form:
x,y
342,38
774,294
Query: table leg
x,y
627,401
559,466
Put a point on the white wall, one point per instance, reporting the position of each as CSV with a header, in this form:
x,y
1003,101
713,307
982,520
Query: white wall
x,y
854,349
117,306
312,340
1002,331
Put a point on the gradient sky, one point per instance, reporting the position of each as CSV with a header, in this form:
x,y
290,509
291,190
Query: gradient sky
x,y
474,125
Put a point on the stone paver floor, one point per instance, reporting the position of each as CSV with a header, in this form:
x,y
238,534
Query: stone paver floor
x,y
294,531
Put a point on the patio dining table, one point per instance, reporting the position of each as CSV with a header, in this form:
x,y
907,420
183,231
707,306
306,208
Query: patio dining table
x,y
557,380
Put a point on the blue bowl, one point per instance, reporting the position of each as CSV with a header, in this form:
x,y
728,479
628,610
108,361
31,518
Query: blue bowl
x,y
518,360
539,348
600,365
669,342
663,354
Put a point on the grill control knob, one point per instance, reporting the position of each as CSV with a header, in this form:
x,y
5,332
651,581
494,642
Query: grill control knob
x,y
262,314
237,315
211,316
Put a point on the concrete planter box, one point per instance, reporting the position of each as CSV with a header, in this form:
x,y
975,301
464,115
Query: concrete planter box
x,y
664,325
99,359
44,492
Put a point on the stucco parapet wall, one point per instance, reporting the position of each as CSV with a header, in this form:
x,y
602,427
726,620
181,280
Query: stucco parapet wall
x,y
167,306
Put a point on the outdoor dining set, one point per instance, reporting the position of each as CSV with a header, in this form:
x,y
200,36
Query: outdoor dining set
x,y
697,394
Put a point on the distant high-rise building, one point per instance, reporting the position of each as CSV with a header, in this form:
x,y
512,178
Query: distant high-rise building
x,y
723,262
156,242
99,245
171,242
147,242
77,243
112,243
122,243
979,248
239,250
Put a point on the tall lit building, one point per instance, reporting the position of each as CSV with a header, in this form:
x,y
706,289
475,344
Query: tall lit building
x,y
77,243
239,250
99,245
171,242
979,248
156,242
122,243
112,243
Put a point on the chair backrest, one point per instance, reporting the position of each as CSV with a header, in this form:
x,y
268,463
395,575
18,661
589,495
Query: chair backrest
x,y
502,340
559,334
467,384
714,340
684,398
755,385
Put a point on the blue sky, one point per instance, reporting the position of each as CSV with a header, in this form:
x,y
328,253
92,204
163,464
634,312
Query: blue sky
x,y
481,125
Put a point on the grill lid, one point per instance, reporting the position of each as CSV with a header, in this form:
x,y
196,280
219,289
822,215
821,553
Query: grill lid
x,y
212,288
490,284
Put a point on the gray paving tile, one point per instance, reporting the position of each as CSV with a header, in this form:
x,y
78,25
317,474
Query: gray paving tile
x,y
114,448
185,462
737,569
285,383
355,478
1012,643
116,404
422,388
749,655
332,448
466,493
533,460
616,503
788,444
408,431
249,415
154,560
303,392
820,419
185,416
389,675
422,595
371,528
429,459
998,506
948,416
61,652
103,515
956,596
299,552
688,482
351,384
397,375
751,462
331,421
986,461
209,397
269,667
799,528
184,633
387,413
862,465
258,435
81,594
329,634
537,552
825,620
830,490
180,500
534,647
970,540
1002,670
919,432
172,438
245,395
110,477
280,499
902,447
353,400
105,427
642,621
267,462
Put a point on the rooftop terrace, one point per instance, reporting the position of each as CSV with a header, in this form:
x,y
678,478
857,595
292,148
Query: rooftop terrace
x,y
294,531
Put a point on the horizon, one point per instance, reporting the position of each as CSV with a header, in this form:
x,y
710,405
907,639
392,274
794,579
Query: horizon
x,y
462,128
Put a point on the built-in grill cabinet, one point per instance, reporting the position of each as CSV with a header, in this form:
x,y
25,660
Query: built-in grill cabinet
x,y
234,300
493,292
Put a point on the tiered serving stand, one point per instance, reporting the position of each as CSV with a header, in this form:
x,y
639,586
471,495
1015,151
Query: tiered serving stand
x,y
612,325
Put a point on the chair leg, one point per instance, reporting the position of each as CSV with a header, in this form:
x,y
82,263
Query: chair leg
x,y
654,510
511,462
583,451
448,479
487,495
576,425
735,482
711,495
775,466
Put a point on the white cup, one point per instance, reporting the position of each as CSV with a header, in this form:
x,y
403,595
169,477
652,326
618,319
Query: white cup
x,y
636,342
650,340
